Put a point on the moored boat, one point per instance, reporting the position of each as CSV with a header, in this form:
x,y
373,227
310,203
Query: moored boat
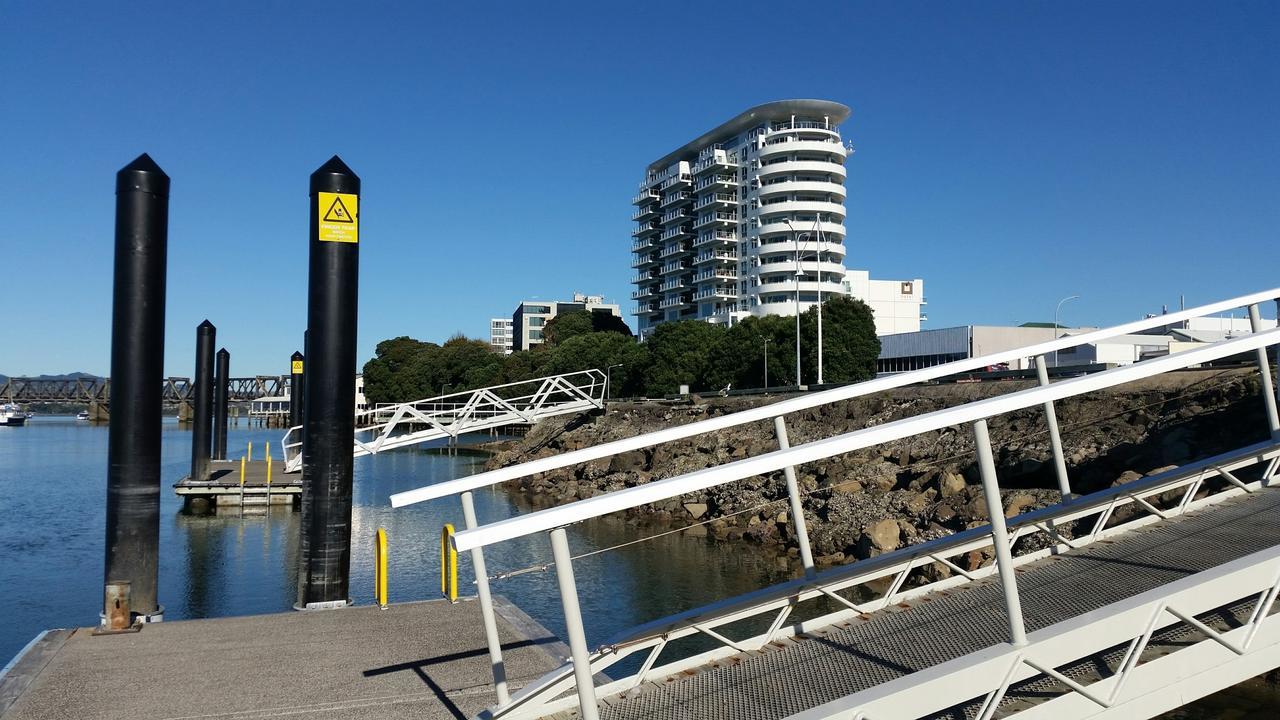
x,y
12,416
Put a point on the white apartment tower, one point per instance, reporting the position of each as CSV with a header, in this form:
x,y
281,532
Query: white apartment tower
x,y
749,219
725,223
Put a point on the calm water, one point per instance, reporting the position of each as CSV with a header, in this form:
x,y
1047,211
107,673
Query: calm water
x,y
52,490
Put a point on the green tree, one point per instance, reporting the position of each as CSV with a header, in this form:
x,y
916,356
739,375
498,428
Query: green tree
x,y
580,322
680,354
387,377
599,351
849,343
737,360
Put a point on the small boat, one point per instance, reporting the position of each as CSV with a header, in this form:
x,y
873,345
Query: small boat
x,y
11,416
82,415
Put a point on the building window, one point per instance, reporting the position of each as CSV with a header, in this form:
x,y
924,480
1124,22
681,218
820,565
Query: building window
x,y
535,334
537,322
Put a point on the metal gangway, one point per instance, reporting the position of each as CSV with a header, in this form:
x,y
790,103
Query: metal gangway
x,y
387,427
1123,603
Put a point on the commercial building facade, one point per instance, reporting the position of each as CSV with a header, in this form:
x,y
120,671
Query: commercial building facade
x,y
500,335
531,316
749,219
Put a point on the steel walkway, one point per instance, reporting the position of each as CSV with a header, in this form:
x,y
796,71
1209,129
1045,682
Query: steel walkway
x,y
790,677
1119,604
447,416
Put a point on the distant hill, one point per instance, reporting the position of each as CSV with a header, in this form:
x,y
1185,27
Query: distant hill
x,y
64,376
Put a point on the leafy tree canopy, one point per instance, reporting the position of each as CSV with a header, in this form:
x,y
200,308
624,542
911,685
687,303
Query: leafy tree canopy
x,y
580,322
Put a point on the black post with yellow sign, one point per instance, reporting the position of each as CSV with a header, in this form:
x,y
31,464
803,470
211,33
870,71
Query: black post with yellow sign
x,y
329,402
297,387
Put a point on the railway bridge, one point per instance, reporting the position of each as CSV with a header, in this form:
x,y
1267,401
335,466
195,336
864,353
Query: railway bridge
x,y
95,392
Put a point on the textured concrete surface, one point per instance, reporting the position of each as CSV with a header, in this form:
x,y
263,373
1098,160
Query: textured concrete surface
x,y
423,660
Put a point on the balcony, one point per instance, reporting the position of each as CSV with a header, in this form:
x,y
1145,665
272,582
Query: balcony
x,y
641,244
715,160
715,199
644,229
676,181
674,267
647,211
678,215
716,256
671,284
679,197
644,260
673,249
718,292
716,218
644,197
674,302
643,293
716,273
645,308
707,237
644,278
675,232
716,181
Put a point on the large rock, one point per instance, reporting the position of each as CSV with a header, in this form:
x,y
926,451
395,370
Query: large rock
x,y
880,537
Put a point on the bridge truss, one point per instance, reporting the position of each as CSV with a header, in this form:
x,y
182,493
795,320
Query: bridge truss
x,y
387,427
177,390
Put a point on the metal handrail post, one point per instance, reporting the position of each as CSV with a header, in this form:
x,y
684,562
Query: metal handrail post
x,y
1055,437
587,708
486,605
999,535
1264,367
793,494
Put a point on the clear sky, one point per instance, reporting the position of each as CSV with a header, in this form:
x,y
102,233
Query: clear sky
x,y
1008,153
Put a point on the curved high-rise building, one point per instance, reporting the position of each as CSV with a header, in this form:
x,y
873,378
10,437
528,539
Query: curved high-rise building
x,y
747,219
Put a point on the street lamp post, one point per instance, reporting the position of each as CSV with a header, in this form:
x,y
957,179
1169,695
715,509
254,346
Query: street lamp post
x,y
817,261
766,363
795,240
608,385
1055,324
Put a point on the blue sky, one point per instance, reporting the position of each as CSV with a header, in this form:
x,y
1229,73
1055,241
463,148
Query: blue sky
x,y
1010,154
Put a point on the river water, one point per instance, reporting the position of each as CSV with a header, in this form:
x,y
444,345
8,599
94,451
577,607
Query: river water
x,y
52,493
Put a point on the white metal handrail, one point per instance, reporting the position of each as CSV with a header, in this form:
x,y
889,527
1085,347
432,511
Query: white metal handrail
x,y
394,426
888,574
584,664
812,400
986,676
659,490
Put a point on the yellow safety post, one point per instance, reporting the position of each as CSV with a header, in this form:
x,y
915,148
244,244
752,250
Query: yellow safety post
x,y
448,565
380,569
242,480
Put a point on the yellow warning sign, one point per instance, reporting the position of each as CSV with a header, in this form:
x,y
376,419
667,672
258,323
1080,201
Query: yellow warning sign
x,y
339,217
296,368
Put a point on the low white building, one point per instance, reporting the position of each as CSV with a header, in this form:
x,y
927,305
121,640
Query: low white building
x,y
898,305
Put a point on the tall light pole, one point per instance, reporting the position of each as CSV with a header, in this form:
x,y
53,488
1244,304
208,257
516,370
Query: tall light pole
x,y
766,363
817,260
1056,310
608,385
795,240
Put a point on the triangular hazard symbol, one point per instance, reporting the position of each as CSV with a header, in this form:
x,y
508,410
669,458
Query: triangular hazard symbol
x,y
337,212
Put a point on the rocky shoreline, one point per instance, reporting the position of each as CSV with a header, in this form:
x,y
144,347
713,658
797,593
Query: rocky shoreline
x,y
865,503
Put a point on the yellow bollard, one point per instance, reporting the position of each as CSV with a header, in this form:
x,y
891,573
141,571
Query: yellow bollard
x,y
242,481
380,569
448,565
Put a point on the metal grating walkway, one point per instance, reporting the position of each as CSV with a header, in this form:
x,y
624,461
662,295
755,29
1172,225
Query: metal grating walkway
x,y
780,682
